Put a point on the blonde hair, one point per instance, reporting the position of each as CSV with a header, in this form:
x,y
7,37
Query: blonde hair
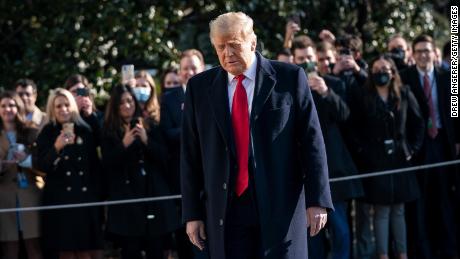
x,y
75,114
232,23
152,105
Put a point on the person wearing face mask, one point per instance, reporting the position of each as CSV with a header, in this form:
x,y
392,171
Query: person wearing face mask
x,y
170,80
66,152
399,51
146,94
326,58
327,92
391,132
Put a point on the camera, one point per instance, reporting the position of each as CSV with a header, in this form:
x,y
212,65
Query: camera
x,y
389,146
82,92
345,51
294,17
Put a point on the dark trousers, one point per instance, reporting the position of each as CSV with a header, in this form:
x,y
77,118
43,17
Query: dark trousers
x,y
242,229
440,199
418,245
133,247
339,234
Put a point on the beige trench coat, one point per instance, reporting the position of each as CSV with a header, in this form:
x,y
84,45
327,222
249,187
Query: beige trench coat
x,y
12,196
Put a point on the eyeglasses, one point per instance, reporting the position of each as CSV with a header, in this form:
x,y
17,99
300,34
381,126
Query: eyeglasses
x,y
422,51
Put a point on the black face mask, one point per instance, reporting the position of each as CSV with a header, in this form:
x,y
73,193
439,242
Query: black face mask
x,y
381,79
398,54
309,66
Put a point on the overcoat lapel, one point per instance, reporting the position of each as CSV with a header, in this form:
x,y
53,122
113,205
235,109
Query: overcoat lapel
x,y
218,97
265,82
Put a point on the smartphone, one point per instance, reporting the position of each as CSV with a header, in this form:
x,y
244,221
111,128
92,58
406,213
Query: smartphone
x,y
127,73
133,123
82,92
68,128
295,17
312,74
345,51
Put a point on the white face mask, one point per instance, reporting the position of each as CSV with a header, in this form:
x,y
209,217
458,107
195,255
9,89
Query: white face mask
x,y
142,94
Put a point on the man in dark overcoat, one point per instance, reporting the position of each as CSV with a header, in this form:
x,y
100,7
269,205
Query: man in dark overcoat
x,y
253,162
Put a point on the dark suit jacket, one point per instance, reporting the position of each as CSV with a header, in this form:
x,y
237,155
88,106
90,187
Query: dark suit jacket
x,y
289,158
333,110
411,77
171,121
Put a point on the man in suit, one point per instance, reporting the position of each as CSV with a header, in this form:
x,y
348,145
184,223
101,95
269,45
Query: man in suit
x,y
172,104
431,87
253,162
27,90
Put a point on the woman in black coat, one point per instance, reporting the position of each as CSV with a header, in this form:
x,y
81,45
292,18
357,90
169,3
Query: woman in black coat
x,y
391,131
66,153
133,159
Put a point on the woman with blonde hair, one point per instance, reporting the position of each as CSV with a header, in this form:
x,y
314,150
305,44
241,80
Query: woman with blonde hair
x,y
66,153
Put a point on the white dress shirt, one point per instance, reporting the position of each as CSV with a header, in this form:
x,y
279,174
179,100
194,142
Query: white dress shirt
x,y
248,84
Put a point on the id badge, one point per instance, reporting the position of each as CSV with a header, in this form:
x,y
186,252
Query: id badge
x,y
23,183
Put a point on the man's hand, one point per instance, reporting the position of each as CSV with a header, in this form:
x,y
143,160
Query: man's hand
x,y
345,62
318,85
196,233
326,35
316,219
291,29
349,63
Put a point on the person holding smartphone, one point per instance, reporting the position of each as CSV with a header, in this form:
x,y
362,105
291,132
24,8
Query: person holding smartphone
x,y
18,186
80,88
328,95
133,157
66,152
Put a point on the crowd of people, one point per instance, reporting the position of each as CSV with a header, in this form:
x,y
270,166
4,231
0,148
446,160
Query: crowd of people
x,y
392,112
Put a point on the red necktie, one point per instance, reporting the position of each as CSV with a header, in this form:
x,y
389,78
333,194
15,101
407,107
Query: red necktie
x,y
240,123
432,127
